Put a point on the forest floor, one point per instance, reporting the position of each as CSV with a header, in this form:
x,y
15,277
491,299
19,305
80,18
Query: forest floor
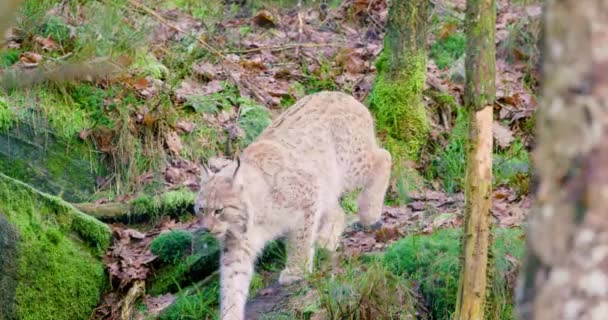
x,y
205,68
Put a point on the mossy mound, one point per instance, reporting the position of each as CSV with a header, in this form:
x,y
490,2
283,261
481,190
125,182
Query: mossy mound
x,y
433,262
50,267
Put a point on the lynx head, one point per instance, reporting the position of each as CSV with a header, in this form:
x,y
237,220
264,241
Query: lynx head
x,y
219,203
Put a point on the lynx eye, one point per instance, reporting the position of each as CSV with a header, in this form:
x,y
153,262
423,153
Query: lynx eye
x,y
217,212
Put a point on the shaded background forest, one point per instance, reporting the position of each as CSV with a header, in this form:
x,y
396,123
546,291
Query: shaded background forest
x,y
154,87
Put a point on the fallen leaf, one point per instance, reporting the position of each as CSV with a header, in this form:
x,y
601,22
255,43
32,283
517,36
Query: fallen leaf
x,y
47,44
30,59
264,19
185,126
205,71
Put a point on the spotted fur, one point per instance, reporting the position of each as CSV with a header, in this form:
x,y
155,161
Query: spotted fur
x,y
289,182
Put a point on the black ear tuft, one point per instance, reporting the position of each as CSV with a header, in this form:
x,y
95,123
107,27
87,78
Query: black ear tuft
x,y
205,173
238,166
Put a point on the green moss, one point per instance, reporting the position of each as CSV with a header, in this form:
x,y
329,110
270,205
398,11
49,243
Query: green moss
x,y
433,262
173,203
445,51
172,245
59,274
397,105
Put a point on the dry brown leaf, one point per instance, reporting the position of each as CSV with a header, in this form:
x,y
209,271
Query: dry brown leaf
x,y
205,71
47,44
185,126
264,19
30,59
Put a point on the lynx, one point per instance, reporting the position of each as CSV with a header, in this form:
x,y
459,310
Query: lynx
x,y
288,182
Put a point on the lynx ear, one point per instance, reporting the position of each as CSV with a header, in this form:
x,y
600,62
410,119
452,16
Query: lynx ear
x,y
205,172
238,166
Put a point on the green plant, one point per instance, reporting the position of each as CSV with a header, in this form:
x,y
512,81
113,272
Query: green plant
x,y
432,262
348,202
200,305
446,50
363,291
171,246
8,57
512,167
449,164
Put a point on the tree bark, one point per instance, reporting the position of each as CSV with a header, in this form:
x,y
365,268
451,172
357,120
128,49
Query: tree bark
x,y
565,273
479,100
396,99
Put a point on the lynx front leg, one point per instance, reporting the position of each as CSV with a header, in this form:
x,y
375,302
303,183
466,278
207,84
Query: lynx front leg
x,y
371,198
300,253
236,270
331,227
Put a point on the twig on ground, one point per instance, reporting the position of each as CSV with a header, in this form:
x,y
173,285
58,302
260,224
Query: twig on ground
x,y
288,47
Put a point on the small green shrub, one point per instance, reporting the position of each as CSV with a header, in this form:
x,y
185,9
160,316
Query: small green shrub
x,y
171,246
432,261
445,51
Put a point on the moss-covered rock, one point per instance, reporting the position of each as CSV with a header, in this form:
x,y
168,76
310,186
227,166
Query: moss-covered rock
x,y
50,267
34,153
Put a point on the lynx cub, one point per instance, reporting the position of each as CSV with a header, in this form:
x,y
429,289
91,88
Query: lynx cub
x,y
289,182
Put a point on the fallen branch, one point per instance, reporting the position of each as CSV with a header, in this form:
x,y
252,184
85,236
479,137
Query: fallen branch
x,y
172,203
243,84
136,291
288,47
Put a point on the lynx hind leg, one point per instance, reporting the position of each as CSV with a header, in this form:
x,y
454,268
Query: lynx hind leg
x,y
371,199
331,227
300,254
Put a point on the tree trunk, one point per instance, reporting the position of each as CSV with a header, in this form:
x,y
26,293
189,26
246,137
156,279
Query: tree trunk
x,y
565,274
397,95
479,100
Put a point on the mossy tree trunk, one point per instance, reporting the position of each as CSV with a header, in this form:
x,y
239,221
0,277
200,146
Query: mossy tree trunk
x,y
479,100
397,95
565,273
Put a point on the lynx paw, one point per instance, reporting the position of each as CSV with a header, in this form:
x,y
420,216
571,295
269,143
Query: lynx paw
x,y
371,227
